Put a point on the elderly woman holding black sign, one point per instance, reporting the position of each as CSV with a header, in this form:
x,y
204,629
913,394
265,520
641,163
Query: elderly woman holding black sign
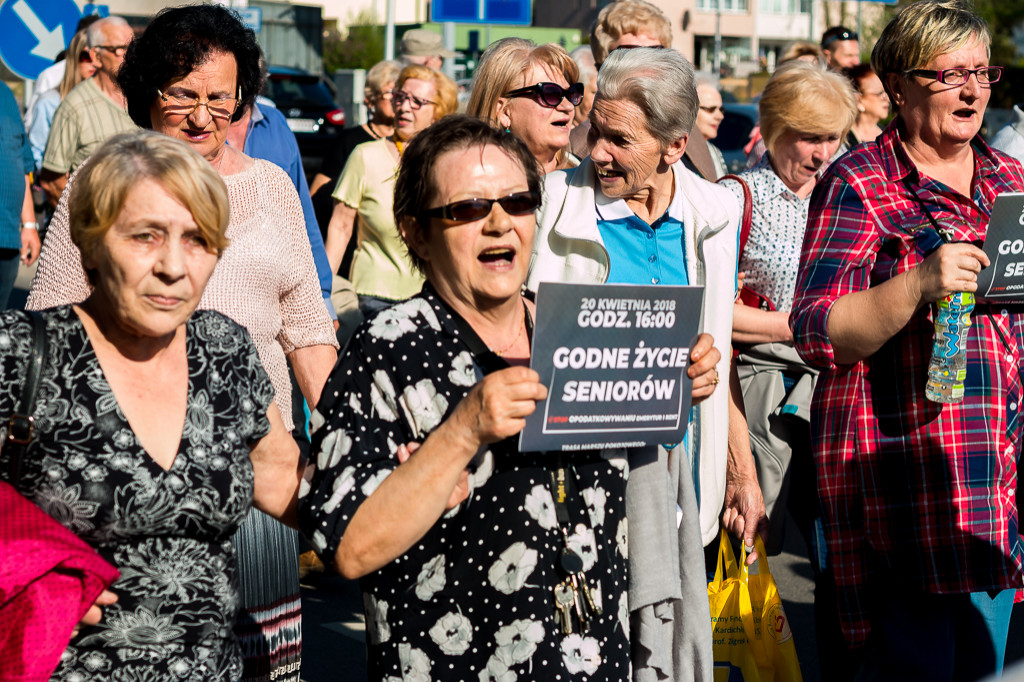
x,y
476,559
631,213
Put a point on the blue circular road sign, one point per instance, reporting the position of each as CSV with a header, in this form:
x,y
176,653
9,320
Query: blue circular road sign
x,y
33,32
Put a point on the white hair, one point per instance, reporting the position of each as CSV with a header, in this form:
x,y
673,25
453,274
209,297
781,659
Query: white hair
x,y
658,80
96,34
584,58
708,79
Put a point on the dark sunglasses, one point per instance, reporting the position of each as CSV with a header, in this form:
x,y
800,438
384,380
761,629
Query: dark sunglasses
x,y
551,94
468,210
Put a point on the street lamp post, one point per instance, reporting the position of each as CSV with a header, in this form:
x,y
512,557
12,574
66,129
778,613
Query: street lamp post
x,y
389,31
717,60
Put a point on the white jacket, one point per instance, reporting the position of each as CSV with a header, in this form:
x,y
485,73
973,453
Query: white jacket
x,y
568,248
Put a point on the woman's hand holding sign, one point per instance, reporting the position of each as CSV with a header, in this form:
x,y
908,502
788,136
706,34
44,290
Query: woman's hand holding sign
x,y
702,370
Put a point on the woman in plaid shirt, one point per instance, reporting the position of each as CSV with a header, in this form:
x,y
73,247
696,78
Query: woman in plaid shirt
x,y
919,498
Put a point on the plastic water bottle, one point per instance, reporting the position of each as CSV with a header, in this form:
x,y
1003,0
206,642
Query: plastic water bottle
x,y
948,366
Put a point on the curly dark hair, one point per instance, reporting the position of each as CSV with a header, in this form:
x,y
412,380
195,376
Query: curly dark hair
x,y
416,188
179,39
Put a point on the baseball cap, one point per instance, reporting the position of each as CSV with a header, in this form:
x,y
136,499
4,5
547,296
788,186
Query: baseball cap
x,y
421,42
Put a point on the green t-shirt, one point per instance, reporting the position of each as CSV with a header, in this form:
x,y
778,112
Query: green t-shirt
x,y
380,265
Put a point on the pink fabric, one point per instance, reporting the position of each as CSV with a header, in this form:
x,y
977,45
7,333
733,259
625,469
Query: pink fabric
x,y
48,580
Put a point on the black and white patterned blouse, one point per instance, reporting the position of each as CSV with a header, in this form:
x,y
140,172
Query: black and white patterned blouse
x,y
473,599
167,531
777,224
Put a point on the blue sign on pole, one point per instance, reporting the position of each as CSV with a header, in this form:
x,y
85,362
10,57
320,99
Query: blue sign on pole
x,y
481,11
98,10
251,17
33,32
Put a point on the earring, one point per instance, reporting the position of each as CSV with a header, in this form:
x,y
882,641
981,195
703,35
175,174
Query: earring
x,y
507,130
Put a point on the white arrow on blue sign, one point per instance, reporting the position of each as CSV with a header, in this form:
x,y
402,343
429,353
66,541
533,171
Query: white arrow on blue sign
x,y
33,32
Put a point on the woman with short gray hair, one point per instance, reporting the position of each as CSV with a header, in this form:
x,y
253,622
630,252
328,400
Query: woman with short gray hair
x,y
631,213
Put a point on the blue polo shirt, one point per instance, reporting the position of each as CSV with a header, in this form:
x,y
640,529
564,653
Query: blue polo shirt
x,y
640,253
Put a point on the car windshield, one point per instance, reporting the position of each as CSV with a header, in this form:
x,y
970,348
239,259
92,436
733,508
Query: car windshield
x,y
298,91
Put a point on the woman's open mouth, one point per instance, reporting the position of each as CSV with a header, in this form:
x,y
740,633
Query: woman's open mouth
x,y
608,174
498,255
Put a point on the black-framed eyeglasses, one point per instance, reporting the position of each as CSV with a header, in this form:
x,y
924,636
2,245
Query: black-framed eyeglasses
x,y
184,105
398,98
551,94
712,110
116,50
986,75
467,210
843,35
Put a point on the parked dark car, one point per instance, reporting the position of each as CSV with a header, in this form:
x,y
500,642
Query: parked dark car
x,y
734,134
310,109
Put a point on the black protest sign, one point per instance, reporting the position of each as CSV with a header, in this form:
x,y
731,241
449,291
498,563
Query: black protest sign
x,y
614,359
1003,280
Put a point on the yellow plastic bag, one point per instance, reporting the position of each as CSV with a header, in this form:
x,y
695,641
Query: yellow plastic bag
x,y
752,638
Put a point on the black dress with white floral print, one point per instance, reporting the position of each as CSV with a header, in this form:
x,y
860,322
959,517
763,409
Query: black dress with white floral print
x,y
167,531
473,599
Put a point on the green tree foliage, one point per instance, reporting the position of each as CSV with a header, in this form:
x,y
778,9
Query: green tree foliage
x,y
359,45
1002,17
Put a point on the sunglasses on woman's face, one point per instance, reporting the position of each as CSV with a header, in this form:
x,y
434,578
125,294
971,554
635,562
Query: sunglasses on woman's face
x,y
551,94
468,210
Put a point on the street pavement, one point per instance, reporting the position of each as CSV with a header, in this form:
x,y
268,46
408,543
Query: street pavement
x,y
334,630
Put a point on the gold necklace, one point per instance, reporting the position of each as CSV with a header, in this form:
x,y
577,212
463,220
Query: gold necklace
x,y
522,326
398,143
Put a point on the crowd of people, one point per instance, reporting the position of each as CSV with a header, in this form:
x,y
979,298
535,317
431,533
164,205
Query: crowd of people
x,y
177,400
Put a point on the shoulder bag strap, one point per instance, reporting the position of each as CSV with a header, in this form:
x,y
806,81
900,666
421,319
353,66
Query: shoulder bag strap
x,y
748,204
747,296
21,426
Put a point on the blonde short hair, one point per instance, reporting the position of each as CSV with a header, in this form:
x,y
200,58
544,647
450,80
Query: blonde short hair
x,y
922,31
807,98
502,67
800,49
102,186
379,75
447,98
627,16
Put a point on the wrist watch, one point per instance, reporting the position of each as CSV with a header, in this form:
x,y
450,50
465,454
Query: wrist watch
x,y
30,226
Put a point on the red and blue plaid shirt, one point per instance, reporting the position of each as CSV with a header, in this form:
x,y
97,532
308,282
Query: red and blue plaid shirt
x,y
917,491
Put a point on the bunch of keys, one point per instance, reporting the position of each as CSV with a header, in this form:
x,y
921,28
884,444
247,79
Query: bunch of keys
x,y
572,595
